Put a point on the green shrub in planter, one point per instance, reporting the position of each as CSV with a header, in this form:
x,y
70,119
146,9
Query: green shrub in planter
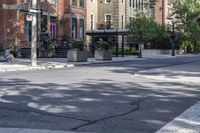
x,y
51,50
103,52
104,46
78,45
13,49
77,53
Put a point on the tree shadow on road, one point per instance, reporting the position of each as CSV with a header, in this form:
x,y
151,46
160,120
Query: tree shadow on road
x,y
93,105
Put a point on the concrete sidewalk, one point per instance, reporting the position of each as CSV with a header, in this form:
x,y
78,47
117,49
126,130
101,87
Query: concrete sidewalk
x,y
51,63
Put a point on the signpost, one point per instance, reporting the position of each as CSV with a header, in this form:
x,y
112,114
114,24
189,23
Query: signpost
x,y
35,11
34,34
32,16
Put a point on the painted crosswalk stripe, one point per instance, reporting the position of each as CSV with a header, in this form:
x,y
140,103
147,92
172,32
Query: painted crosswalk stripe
x,y
187,122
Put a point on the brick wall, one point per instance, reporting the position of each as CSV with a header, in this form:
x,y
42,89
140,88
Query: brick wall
x,y
63,11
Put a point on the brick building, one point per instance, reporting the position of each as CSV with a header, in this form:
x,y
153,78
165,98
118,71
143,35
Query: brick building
x,y
162,11
62,19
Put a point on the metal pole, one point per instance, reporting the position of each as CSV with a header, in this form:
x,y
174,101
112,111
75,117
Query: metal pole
x,y
163,12
173,41
122,45
117,46
34,36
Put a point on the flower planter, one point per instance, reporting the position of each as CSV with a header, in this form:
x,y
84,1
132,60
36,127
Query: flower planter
x,y
76,56
103,55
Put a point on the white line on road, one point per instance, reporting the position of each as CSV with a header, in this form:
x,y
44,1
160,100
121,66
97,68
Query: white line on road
x,y
187,122
23,130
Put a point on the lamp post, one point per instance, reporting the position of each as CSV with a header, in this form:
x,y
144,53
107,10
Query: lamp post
x,y
173,35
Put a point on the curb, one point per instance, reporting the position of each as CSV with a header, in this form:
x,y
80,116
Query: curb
x,y
106,62
25,130
30,68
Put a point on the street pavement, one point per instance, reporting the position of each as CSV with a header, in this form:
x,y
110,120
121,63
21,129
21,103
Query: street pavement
x,y
101,98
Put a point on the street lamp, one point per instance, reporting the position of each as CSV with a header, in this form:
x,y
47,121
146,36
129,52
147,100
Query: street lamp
x,y
173,35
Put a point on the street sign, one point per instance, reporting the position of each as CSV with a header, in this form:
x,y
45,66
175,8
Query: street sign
x,y
35,11
29,18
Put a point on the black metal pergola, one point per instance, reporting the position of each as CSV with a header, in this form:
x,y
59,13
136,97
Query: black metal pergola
x,y
110,32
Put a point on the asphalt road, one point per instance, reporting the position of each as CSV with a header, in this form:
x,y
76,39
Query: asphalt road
x,y
104,98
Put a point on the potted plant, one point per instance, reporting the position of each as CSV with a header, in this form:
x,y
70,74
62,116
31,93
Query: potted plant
x,y
12,49
77,53
103,52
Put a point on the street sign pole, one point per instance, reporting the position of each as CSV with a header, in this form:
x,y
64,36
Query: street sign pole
x,y
34,36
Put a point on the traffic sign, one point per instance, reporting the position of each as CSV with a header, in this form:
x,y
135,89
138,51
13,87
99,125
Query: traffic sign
x,y
29,18
35,11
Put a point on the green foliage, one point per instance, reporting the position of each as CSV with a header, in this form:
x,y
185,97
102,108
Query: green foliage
x,y
51,50
146,30
142,28
13,48
104,45
187,16
127,51
78,45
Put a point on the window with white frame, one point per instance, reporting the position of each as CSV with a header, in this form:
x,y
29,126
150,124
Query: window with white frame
x,y
107,1
82,28
108,19
122,21
74,2
53,2
92,22
81,3
74,28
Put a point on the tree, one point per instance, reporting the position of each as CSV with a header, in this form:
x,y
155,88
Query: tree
x,y
187,16
142,28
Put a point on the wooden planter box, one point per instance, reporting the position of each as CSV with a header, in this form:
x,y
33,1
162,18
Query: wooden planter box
x,y
76,56
103,55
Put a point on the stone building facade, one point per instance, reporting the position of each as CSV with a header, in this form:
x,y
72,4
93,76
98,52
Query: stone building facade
x,y
92,16
62,19
116,12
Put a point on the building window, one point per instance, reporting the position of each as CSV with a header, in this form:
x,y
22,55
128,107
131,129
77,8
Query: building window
x,y
53,2
133,3
130,19
74,28
107,1
136,4
74,2
53,27
82,29
108,19
122,22
152,13
130,3
81,3
53,30
28,30
92,22
142,4
44,24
